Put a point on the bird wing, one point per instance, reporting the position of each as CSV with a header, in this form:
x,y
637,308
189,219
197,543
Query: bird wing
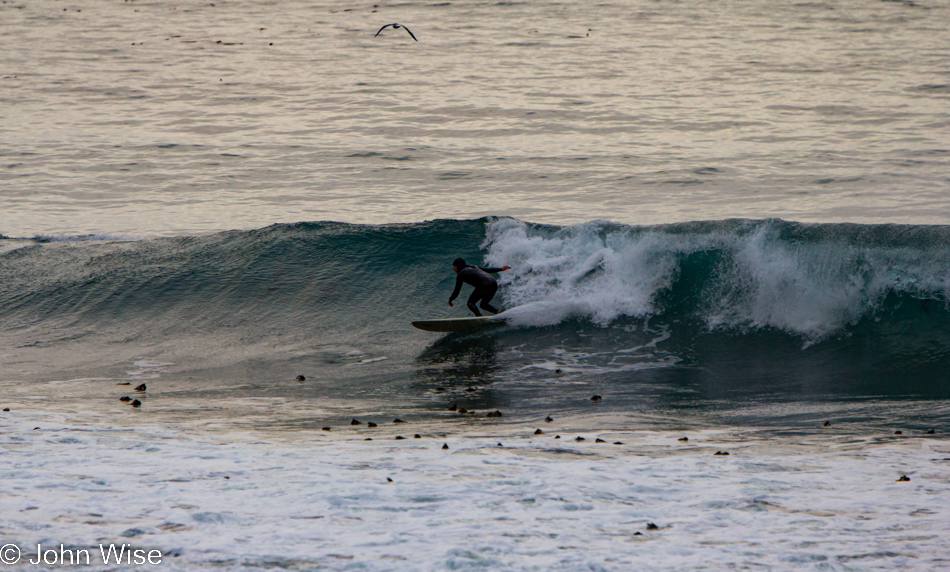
x,y
384,27
410,33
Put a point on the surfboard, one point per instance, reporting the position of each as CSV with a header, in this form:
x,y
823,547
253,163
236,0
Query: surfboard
x,y
457,324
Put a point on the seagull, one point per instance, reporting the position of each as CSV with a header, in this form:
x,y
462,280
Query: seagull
x,y
396,27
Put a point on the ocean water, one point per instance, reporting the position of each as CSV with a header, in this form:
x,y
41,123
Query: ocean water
x,y
502,499
727,220
154,118
763,322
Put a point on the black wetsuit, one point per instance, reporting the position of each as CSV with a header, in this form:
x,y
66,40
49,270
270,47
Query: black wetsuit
x,y
485,287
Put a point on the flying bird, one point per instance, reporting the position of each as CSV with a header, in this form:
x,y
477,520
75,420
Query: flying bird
x,y
396,27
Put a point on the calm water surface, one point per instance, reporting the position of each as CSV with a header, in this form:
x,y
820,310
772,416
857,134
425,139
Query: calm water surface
x,y
169,118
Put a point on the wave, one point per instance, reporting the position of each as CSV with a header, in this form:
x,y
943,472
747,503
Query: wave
x,y
808,280
615,297
238,292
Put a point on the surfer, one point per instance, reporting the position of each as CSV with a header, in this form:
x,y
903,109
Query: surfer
x,y
485,285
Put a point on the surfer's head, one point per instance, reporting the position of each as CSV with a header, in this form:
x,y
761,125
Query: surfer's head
x,y
458,264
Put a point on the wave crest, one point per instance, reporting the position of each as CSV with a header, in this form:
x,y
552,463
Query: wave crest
x,y
807,280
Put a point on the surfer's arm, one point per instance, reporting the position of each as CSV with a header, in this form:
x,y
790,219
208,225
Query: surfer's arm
x,y
494,270
458,288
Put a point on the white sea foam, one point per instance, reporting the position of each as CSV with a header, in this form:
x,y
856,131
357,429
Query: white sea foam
x,y
580,272
240,501
602,271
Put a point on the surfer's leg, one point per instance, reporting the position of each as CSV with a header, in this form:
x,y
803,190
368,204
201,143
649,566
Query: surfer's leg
x,y
473,299
488,294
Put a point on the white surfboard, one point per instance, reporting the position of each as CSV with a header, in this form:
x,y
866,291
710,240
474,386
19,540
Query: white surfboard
x,y
458,324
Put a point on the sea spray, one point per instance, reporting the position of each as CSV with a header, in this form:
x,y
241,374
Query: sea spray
x,y
807,280
593,270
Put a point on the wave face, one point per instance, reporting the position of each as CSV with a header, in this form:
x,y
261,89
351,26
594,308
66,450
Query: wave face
x,y
723,308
